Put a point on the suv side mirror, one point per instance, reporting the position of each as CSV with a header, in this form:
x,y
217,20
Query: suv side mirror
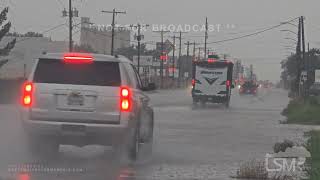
x,y
150,87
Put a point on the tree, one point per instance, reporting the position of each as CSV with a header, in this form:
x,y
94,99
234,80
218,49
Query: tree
x,y
86,48
131,51
5,28
28,34
128,52
33,34
292,64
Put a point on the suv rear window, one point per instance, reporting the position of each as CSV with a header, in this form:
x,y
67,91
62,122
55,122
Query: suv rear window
x,y
96,74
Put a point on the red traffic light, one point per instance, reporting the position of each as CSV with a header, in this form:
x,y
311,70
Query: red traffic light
x,y
163,57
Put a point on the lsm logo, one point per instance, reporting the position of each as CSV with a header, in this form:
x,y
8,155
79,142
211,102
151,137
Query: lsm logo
x,y
286,161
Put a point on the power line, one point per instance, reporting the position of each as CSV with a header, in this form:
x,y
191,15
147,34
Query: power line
x,y
60,2
252,34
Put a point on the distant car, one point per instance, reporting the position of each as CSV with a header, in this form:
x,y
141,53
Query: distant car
x,y
81,99
266,85
248,88
315,89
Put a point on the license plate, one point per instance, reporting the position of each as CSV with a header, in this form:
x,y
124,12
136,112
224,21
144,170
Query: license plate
x,y
73,128
75,99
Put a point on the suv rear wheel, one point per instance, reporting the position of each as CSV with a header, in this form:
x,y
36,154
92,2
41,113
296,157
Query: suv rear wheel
x,y
135,146
43,147
128,148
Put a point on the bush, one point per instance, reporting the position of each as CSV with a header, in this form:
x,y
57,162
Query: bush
x,y
282,146
299,111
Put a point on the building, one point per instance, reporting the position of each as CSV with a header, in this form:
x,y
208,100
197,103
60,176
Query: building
x,y
99,37
23,55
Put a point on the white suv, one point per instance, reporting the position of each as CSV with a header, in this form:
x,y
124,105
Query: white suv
x,y
82,99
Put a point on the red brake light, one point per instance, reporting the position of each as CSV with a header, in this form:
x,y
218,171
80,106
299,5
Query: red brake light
x,y
228,83
23,176
210,60
125,99
27,94
193,82
77,58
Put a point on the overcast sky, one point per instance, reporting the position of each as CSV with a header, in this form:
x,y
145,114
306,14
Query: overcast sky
x,y
237,17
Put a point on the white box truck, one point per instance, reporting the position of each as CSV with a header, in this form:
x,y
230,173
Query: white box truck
x,y
212,82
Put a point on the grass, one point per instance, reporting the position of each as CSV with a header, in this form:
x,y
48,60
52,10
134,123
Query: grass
x,y
300,112
313,145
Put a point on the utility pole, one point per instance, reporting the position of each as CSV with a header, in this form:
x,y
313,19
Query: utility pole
x,y
303,42
299,57
70,14
70,26
179,58
188,48
194,50
193,56
139,37
180,69
25,71
162,32
308,70
173,54
251,72
303,55
205,39
114,13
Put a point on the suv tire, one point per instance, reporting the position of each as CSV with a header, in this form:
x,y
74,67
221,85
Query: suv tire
x,y
43,147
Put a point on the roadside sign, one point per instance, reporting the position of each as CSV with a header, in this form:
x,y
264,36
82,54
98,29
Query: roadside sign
x,y
144,60
317,76
303,77
213,56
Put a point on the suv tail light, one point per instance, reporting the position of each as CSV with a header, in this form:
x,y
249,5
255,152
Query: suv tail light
x,y
28,89
125,99
211,60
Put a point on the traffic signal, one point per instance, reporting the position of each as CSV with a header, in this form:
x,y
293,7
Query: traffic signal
x,y
164,56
